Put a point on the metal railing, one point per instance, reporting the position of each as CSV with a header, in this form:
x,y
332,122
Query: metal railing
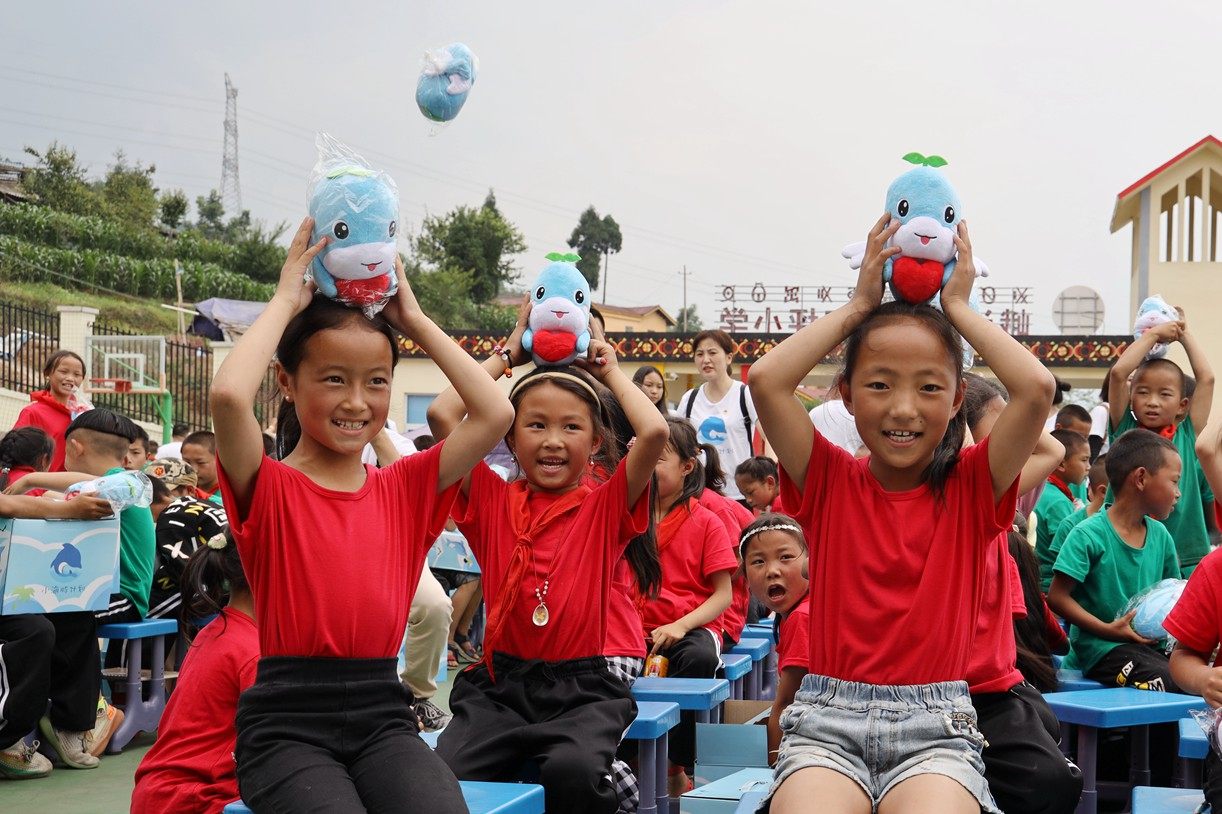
x,y
27,337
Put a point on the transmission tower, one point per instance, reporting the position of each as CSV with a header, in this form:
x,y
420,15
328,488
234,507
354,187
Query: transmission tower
x,y
231,189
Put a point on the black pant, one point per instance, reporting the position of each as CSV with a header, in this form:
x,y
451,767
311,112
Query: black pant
x,y
76,671
693,656
120,610
25,674
1022,763
1212,780
567,716
336,736
1134,665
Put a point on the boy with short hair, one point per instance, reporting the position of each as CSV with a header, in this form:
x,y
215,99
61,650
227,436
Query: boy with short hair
x,y
1095,493
137,449
1057,501
1155,397
199,450
1114,555
1075,418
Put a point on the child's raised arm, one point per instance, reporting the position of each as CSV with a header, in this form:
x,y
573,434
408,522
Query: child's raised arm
x,y
647,423
1209,454
1047,456
774,377
1203,372
489,413
239,438
1134,355
1021,423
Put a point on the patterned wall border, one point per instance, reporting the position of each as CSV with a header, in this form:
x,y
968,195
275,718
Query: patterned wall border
x,y
1058,351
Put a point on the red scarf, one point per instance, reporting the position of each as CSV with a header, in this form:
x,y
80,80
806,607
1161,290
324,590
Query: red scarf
x,y
524,529
1060,484
1168,431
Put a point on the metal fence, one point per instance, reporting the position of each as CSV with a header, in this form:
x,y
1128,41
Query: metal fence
x,y
27,337
188,372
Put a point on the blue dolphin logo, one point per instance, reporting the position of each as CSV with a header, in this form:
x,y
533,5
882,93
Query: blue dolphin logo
x,y
713,430
67,563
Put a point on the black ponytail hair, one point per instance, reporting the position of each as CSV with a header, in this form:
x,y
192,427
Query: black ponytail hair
x,y
714,475
946,455
211,575
1031,644
684,443
24,446
322,314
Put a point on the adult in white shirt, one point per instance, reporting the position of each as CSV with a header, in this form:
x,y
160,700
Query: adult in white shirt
x,y
835,423
174,449
720,409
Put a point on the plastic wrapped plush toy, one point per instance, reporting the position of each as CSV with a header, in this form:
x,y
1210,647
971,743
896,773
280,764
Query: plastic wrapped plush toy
x,y
123,489
445,80
357,207
558,329
1152,606
1152,312
928,209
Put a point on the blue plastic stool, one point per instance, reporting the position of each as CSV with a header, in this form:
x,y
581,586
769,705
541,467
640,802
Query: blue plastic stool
x,y
481,798
704,696
1150,800
758,649
140,714
1072,680
1092,710
737,666
1194,747
651,731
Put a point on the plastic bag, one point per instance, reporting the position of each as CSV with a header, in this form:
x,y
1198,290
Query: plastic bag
x,y
1208,719
446,77
1152,606
357,207
123,489
1152,312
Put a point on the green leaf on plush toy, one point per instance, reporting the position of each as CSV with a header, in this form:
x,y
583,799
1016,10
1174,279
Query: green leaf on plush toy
x,y
915,158
935,161
557,257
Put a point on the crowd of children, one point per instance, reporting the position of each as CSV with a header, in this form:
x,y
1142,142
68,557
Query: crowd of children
x,y
914,568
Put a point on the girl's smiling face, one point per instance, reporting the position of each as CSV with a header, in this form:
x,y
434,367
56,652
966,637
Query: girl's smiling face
x,y
65,378
776,564
553,437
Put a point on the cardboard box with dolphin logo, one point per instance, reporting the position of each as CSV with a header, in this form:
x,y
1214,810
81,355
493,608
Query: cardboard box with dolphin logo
x,y
58,566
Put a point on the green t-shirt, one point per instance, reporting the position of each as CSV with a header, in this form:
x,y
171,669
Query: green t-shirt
x,y
1054,548
1050,510
1109,571
137,553
1187,521
1080,492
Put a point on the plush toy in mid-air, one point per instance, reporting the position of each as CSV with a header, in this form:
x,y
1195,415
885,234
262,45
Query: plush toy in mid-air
x,y
445,80
1152,312
928,209
558,329
357,208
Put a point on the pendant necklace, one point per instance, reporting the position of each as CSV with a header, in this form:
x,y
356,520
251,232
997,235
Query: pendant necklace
x,y
541,616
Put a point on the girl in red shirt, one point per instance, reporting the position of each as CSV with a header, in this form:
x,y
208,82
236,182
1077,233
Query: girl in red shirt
x,y
23,451
681,622
897,540
757,480
190,768
53,409
333,549
548,545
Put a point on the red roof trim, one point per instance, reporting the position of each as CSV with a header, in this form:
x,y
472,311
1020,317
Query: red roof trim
x,y
1148,176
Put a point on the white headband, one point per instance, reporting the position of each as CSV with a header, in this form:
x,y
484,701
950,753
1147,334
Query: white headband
x,y
770,527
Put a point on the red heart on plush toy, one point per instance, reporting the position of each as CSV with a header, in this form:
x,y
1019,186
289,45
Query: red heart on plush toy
x,y
916,280
552,346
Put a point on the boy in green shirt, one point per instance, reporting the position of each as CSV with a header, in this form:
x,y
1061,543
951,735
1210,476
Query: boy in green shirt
x,y
1057,501
1097,478
1115,554
1153,400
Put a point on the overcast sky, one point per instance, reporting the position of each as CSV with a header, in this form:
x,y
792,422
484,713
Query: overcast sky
x,y
747,140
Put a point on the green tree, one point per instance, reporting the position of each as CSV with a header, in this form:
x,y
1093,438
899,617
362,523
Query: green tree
x,y
129,193
211,210
59,181
260,255
688,320
445,295
172,207
595,239
479,242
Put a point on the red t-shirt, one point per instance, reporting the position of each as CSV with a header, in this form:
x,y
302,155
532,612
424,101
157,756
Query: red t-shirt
x,y
575,551
1054,634
895,576
624,624
793,647
333,573
51,417
693,546
735,517
17,473
1196,619
190,768
993,665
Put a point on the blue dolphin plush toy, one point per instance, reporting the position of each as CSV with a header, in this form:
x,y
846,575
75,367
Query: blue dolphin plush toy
x,y
357,207
558,329
445,80
929,211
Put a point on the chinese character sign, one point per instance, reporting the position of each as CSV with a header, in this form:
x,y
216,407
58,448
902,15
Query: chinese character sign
x,y
782,309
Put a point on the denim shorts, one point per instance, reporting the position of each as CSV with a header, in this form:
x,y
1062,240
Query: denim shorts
x,y
882,735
